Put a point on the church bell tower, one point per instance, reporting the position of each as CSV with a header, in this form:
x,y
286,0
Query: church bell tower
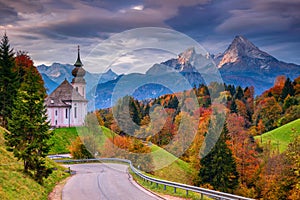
x,y
78,82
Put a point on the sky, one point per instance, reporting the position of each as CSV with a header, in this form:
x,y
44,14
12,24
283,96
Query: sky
x,y
50,30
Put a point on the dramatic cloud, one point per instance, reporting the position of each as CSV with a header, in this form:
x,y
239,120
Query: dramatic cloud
x,y
50,30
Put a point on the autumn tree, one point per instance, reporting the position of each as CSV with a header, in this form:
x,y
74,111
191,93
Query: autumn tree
x,y
243,149
29,127
269,111
78,150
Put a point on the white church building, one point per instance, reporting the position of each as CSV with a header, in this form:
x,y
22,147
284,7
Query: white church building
x,y
67,104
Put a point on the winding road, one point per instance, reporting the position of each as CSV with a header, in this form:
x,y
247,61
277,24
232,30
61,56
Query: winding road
x,y
103,181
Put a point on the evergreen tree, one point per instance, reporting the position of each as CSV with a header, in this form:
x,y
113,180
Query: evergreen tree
x,y
218,167
288,89
239,93
29,127
233,107
8,80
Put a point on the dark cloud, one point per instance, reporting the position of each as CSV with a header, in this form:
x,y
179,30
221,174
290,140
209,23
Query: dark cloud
x,y
8,14
272,25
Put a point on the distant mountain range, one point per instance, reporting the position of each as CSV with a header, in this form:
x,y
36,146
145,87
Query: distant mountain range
x,y
55,74
241,64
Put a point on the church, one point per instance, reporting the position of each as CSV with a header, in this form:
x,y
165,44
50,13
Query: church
x,y
67,104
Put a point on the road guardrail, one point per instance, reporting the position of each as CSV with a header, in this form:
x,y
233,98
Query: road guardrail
x,y
202,191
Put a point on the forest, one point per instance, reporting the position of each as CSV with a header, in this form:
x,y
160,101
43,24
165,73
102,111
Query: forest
x,y
235,162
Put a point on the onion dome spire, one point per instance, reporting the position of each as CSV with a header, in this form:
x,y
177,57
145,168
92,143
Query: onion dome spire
x,y
78,63
78,72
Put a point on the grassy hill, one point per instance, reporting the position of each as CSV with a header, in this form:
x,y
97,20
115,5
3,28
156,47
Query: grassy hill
x,y
168,165
16,185
282,136
62,139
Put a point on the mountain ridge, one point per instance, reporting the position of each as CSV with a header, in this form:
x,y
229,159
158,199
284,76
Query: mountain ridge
x,y
242,63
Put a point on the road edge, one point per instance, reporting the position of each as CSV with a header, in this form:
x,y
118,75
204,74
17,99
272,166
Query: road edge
x,y
56,193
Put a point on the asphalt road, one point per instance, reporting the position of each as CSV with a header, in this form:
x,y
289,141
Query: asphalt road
x,y
103,182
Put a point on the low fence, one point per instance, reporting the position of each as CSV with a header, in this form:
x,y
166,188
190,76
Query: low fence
x,y
202,191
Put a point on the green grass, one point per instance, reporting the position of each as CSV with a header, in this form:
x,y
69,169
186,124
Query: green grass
x,y
62,139
14,184
159,189
170,167
281,137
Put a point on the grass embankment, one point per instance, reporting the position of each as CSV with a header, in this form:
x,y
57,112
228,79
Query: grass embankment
x,y
14,184
61,140
159,189
171,168
63,137
279,138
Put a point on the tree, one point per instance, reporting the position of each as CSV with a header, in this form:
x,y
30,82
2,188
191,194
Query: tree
x,y
29,127
239,93
218,167
269,111
8,80
288,89
78,150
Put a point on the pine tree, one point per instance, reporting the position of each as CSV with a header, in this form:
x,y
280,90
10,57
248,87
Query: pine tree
x,y
8,80
218,167
29,127
233,107
288,89
239,93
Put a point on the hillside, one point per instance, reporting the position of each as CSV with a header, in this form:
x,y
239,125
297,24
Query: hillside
x,y
164,161
171,165
15,185
282,136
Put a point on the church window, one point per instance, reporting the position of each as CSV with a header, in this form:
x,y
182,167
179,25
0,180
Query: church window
x,y
75,110
55,112
66,113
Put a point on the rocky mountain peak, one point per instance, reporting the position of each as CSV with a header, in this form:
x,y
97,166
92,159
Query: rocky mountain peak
x,y
240,48
186,56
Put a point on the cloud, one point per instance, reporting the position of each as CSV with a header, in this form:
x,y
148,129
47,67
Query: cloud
x,y
50,30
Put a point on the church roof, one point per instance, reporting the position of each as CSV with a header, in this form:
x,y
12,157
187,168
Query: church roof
x,y
62,95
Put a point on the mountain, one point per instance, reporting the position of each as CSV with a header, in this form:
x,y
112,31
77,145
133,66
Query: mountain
x,y
159,80
49,83
244,64
56,73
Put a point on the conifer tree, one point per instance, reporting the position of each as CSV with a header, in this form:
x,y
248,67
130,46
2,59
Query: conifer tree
x,y
8,80
288,89
28,125
218,167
